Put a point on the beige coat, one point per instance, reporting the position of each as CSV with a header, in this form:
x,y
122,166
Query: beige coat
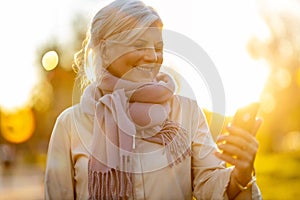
x,y
202,175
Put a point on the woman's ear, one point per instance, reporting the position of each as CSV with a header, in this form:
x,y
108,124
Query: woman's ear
x,y
104,53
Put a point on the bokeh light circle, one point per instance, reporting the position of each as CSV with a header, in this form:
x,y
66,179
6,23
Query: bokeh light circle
x,y
50,60
17,126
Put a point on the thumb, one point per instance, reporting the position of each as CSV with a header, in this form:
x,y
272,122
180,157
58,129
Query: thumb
x,y
257,124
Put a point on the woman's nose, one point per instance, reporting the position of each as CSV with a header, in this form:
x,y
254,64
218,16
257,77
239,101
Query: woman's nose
x,y
150,55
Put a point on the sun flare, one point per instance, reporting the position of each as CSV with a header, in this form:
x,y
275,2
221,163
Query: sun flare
x,y
223,34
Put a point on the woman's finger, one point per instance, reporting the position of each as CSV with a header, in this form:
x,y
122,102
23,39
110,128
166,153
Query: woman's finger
x,y
238,147
233,150
225,157
242,163
246,152
232,139
258,122
237,136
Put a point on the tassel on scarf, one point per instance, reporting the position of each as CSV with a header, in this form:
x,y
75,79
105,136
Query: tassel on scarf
x,y
175,139
114,184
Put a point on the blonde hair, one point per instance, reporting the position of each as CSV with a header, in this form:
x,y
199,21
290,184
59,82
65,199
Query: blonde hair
x,y
114,20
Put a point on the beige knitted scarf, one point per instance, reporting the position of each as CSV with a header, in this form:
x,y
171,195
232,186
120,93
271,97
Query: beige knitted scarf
x,y
121,108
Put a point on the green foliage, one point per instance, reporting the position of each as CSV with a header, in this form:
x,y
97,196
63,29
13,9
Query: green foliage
x,y
278,176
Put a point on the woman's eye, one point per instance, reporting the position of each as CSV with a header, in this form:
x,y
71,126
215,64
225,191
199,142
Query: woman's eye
x,y
159,48
139,45
143,45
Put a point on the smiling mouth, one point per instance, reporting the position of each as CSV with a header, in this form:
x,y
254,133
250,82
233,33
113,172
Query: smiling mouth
x,y
145,69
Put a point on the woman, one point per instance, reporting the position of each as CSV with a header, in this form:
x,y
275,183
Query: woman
x,y
130,137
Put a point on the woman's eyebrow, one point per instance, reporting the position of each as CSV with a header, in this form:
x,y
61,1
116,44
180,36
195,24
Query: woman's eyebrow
x,y
144,40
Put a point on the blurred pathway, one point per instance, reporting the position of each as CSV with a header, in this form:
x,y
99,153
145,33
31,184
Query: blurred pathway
x,y
21,182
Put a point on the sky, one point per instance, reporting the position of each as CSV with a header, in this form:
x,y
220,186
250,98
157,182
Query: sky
x,y
221,28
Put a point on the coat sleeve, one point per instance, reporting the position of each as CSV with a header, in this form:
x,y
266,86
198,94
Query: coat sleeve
x,y
59,181
210,175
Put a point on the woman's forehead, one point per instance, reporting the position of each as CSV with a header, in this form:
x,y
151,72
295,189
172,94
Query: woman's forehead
x,y
151,33
148,34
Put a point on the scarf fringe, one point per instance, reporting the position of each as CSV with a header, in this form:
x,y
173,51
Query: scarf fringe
x,y
116,184
176,142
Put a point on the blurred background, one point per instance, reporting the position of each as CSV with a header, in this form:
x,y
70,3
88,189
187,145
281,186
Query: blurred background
x,y
254,45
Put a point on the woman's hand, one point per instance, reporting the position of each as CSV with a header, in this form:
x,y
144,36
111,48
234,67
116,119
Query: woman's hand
x,y
239,147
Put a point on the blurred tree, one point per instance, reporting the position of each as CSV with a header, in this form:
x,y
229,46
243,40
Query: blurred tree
x,y
53,94
281,96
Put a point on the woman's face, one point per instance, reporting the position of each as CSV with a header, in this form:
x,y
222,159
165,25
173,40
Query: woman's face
x,y
141,60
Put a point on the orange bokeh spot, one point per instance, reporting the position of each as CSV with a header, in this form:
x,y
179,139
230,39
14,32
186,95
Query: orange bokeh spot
x,y
17,126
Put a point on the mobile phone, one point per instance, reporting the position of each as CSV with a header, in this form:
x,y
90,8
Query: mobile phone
x,y
245,117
